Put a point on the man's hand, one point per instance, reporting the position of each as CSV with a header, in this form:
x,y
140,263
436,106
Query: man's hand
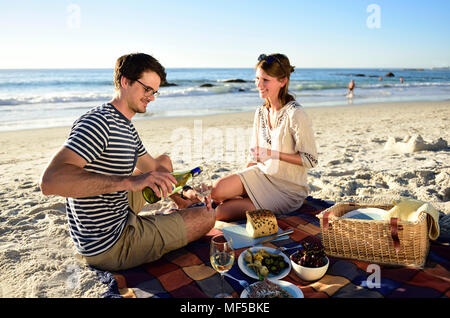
x,y
155,180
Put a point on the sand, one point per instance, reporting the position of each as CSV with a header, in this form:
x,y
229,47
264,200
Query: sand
x,y
363,156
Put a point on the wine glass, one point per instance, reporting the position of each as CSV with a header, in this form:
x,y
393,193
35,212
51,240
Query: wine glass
x,y
222,258
204,183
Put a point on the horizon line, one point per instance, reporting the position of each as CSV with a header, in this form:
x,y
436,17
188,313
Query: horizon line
x,y
210,67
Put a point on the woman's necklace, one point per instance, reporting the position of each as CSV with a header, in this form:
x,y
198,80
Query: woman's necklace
x,y
272,118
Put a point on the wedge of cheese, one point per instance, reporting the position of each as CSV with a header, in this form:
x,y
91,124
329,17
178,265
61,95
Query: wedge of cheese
x,y
261,223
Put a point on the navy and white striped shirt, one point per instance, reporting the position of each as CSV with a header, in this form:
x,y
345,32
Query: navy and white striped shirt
x,y
110,144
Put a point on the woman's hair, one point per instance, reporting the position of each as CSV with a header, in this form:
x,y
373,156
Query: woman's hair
x,y
277,65
133,65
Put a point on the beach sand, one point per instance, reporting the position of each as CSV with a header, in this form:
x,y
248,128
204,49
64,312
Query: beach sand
x,y
37,257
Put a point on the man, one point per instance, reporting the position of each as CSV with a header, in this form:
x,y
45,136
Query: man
x,y
95,170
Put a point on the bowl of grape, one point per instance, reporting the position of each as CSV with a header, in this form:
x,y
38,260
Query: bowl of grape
x,y
311,262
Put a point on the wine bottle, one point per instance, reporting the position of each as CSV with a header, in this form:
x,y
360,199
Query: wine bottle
x,y
181,177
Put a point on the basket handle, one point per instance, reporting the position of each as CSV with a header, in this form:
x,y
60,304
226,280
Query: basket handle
x,y
326,216
394,233
325,220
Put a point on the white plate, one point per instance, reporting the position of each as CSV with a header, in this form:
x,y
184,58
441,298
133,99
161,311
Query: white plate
x,y
250,272
293,290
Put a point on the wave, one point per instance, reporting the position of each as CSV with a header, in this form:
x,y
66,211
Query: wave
x,y
54,83
406,85
323,86
198,91
316,86
87,97
53,99
301,89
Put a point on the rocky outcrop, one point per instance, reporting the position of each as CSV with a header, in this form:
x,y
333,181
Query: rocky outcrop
x,y
166,84
235,80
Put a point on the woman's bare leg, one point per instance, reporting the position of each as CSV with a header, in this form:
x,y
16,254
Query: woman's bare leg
x,y
234,209
230,193
165,162
227,188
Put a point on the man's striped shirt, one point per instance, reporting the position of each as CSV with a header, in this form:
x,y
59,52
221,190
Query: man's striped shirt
x,y
110,144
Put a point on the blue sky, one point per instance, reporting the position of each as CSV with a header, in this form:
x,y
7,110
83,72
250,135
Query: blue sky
x,y
225,33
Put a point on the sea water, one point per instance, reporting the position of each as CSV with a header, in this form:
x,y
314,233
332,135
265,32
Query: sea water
x,y
35,98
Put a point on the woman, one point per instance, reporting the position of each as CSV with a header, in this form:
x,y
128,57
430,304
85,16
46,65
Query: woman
x,y
282,149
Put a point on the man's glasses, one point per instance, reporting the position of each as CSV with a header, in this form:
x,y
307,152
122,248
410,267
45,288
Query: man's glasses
x,y
270,59
148,90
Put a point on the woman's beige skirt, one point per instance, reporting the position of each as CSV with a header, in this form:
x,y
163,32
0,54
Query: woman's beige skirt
x,y
271,193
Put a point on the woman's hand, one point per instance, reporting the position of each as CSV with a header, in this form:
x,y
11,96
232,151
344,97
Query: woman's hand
x,y
263,154
207,200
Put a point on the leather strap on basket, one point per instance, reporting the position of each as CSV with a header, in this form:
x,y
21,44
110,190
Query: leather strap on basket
x,y
326,216
325,220
394,233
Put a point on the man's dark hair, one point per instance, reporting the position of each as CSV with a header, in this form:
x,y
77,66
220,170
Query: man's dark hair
x,y
133,65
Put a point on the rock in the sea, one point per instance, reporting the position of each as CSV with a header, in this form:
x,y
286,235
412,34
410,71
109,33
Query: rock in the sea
x,y
166,84
235,80
389,74
207,85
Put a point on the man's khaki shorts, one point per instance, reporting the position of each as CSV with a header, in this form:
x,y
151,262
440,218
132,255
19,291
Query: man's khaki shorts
x,y
144,239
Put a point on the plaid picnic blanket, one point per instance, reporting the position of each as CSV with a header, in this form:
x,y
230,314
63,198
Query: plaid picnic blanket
x,y
187,272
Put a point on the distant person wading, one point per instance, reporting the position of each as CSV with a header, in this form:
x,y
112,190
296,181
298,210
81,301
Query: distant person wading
x,y
351,88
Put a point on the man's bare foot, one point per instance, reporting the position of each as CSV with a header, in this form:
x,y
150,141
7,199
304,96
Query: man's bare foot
x,y
186,198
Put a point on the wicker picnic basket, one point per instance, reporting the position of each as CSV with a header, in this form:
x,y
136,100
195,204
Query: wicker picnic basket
x,y
391,242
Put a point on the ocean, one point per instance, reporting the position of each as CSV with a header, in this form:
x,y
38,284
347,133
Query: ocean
x,y
36,98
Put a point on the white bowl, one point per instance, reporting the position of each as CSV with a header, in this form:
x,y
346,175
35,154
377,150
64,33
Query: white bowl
x,y
309,273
